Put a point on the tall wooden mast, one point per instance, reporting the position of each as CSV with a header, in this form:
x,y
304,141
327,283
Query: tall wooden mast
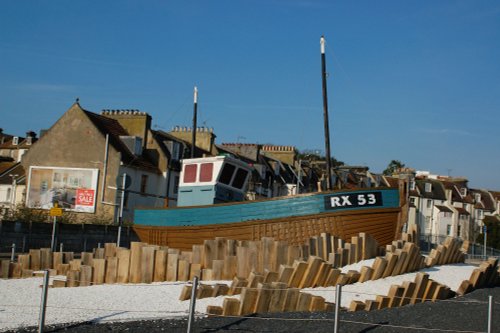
x,y
325,116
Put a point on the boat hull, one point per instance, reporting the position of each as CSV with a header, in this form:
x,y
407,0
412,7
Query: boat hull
x,y
381,224
292,219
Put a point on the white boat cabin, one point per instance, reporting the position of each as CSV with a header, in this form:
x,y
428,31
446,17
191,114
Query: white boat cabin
x,y
212,180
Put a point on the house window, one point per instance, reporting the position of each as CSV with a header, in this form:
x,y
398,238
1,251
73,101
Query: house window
x,y
15,140
227,174
412,201
465,206
428,187
239,179
412,185
477,196
429,203
427,222
463,191
459,231
446,214
480,213
8,194
448,229
206,171
190,173
462,217
144,183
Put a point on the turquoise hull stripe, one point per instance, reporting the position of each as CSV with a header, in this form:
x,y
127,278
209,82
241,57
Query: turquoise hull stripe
x,y
263,210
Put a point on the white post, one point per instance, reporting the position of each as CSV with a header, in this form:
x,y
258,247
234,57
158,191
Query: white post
x,y
485,232
338,299
490,314
13,253
52,242
192,305
43,302
120,217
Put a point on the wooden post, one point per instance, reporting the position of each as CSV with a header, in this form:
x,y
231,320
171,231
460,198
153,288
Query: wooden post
x,y
123,256
111,269
135,262
148,264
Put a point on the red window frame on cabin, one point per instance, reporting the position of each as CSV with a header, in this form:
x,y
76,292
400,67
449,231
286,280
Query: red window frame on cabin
x,y
206,172
190,171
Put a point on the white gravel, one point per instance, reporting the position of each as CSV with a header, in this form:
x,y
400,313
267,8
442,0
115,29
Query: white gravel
x,y
20,299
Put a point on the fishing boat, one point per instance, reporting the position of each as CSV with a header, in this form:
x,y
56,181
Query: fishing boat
x,y
211,203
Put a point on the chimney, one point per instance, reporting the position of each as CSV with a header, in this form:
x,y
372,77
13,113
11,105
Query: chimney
x,y
135,122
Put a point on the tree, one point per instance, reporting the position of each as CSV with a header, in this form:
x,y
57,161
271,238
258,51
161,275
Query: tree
x,y
393,166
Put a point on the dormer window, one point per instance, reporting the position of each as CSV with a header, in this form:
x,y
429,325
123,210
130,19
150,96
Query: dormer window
x,y
15,140
428,187
29,140
412,185
477,197
463,191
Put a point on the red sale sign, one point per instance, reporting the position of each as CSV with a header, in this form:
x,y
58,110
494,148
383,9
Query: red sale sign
x,y
84,197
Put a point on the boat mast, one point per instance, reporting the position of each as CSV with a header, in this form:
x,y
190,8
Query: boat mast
x,y
195,111
325,116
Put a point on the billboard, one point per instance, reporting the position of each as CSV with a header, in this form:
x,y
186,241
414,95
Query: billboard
x,y
71,188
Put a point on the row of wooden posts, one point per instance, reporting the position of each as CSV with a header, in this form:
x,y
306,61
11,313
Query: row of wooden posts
x,y
260,291
266,294
218,259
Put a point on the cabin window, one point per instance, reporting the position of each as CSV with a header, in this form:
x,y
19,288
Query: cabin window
x,y
428,187
206,171
239,179
190,173
144,183
227,174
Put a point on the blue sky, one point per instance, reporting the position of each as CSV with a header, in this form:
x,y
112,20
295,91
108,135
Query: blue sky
x,y
417,81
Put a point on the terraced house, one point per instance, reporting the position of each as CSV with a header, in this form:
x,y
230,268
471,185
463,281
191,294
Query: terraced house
x,y
445,206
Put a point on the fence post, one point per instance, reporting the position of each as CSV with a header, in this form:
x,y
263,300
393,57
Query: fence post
x,y
490,314
338,298
13,253
43,303
192,305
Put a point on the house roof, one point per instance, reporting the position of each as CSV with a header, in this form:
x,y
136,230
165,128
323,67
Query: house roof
x,y
443,209
113,128
10,169
22,143
462,211
495,194
437,189
392,181
486,199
